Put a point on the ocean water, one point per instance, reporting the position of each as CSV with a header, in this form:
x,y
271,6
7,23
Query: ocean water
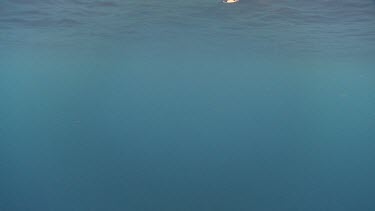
x,y
191,105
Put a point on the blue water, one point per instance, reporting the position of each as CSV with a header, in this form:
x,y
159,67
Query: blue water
x,y
190,105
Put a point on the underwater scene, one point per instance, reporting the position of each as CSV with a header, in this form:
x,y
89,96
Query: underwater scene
x,y
194,105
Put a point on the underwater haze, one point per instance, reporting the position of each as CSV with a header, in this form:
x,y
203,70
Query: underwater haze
x,y
194,105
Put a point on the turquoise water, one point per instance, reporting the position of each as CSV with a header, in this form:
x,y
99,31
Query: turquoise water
x,y
149,105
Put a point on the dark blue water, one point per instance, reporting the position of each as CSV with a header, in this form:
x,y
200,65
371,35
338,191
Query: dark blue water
x,y
193,105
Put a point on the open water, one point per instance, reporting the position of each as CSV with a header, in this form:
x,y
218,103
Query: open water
x,y
191,105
